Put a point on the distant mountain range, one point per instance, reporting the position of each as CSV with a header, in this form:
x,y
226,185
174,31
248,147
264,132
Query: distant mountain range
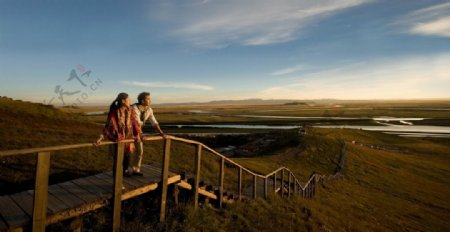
x,y
252,101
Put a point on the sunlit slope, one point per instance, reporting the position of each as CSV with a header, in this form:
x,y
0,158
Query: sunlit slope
x,y
25,124
407,188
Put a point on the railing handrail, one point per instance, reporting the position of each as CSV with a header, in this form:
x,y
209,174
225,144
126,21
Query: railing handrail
x,y
43,164
230,160
65,147
147,138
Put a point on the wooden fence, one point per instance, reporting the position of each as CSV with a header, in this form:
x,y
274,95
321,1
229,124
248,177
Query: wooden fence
x,y
280,184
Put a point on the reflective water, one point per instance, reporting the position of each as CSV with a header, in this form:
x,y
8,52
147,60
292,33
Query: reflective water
x,y
239,126
402,130
95,113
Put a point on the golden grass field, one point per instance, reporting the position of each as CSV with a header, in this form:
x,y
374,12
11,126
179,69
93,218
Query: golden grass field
x,y
403,188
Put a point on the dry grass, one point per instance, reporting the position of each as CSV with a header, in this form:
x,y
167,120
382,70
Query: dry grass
x,y
404,188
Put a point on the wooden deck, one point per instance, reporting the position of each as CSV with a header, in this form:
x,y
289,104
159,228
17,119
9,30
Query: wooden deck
x,y
70,199
77,197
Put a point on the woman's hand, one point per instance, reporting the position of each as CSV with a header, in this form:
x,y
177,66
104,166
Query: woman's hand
x,y
98,142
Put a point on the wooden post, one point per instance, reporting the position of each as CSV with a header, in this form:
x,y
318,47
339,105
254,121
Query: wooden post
x,y
240,183
117,185
41,191
295,186
282,182
265,187
254,186
222,172
306,191
289,184
275,182
198,160
309,190
164,179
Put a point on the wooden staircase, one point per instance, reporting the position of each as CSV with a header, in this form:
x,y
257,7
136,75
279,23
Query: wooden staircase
x,y
50,204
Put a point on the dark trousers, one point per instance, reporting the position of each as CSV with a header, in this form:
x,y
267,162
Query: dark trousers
x,y
126,157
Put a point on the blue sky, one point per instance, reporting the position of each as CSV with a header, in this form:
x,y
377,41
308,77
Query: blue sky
x,y
202,50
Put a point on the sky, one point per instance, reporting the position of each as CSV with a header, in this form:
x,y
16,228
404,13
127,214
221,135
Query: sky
x,y
75,52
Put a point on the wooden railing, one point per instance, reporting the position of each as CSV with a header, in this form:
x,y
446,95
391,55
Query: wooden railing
x,y
286,186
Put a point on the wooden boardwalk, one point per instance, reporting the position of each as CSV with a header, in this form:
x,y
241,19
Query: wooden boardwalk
x,y
73,198
48,204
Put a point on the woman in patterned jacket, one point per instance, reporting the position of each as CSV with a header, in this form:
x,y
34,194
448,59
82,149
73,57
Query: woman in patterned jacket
x,y
119,126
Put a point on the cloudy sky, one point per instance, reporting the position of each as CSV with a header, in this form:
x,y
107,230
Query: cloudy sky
x,y
86,52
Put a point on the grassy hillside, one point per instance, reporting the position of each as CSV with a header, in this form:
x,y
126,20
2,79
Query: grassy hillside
x,y
391,183
382,191
27,125
406,188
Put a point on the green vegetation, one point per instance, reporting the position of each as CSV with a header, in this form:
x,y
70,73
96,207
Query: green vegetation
x,y
169,114
382,190
28,125
391,183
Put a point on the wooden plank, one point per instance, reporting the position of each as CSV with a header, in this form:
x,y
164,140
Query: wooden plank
x,y
62,195
41,191
147,188
53,204
3,225
221,178
295,186
275,182
282,182
92,188
72,212
154,176
153,169
127,194
198,161
201,191
81,193
102,183
149,183
289,184
131,183
156,172
25,201
164,179
106,177
13,215
265,187
117,186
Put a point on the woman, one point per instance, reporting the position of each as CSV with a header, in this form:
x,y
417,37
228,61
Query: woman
x,y
119,126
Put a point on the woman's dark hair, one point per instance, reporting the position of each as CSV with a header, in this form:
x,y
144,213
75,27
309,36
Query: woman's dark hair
x,y
142,96
118,102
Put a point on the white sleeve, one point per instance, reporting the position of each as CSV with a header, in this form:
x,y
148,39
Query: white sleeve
x,y
137,115
152,118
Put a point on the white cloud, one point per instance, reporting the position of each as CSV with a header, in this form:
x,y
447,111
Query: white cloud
x,y
401,78
250,22
430,21
177,85
439,27
287,70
